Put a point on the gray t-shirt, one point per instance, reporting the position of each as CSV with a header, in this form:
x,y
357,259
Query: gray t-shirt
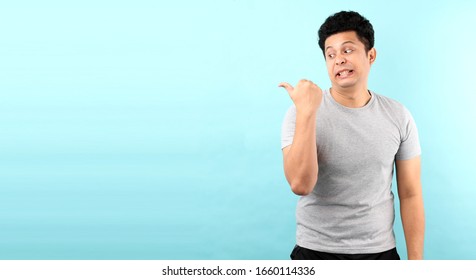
x,y
351,208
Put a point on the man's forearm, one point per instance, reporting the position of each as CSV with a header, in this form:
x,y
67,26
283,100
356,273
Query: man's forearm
x,y
301,165
413,220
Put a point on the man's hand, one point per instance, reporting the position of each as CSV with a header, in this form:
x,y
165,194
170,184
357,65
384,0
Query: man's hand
x,y
307,96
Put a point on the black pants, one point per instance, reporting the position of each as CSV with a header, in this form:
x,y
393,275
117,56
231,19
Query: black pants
x,y
300,253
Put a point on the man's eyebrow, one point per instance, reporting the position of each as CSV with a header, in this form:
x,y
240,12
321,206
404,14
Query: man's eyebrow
x,y
352,42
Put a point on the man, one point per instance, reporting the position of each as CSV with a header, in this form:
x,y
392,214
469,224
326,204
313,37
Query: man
x,y
339,148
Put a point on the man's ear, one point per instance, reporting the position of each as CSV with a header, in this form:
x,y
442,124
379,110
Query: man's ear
x,y
372,55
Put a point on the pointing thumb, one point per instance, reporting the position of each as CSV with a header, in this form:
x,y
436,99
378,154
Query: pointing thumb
x,y
289,88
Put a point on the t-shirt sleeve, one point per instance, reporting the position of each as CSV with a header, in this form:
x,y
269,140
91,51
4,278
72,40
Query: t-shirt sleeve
x,y
288,127
410,143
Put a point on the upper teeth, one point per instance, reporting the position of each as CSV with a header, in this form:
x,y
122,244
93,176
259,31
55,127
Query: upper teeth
x,y
344,72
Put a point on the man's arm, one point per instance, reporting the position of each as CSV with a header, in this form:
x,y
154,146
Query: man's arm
x,y
300,158
411,205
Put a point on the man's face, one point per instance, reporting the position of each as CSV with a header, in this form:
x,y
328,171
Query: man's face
x,y
348,64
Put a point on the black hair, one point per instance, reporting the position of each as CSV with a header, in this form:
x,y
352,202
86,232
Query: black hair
x,y
347,21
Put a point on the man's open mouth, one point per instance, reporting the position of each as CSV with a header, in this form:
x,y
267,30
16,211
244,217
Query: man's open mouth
x,y
344,73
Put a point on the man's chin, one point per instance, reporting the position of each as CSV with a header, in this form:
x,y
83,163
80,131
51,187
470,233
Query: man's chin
x,y
341,85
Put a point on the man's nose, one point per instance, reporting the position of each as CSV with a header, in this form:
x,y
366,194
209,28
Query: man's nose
x,y
340,60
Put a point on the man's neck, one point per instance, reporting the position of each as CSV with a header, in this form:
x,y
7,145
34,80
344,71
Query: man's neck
x,y
352,98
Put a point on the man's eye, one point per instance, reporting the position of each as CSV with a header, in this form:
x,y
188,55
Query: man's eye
x,y
348,51
331,55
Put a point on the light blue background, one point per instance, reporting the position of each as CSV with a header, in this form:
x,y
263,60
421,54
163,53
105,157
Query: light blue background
x,y
151,129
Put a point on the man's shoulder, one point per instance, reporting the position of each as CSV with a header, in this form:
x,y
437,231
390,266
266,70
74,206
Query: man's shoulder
x,y
394,109
390,103
387,100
